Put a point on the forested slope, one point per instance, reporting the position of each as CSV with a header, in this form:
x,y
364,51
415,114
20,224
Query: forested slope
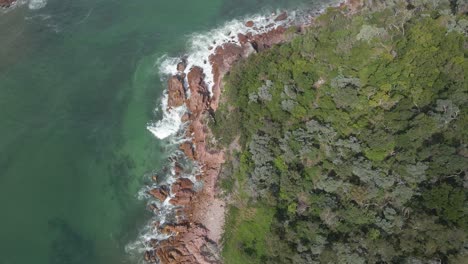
x,y
352,141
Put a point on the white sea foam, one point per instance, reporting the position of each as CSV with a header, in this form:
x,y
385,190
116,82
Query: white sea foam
x,y
37,4
198,55
32,4
199,43
167,65
171,121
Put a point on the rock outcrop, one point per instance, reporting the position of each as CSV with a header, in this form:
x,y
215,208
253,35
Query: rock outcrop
x,y
160,193
190,241
199,99
6,3
176,92
249,23
281,17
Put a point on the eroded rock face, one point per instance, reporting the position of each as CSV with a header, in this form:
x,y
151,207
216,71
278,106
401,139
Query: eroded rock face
x,y
160,193
268,39
187,148
176,92
199,94
181,66
190,248
6,3
182,184
283,16
183,192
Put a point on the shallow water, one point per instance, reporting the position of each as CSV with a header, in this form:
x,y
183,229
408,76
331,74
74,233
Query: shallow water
x,y
78,83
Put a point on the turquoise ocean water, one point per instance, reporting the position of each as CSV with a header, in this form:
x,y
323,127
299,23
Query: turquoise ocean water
x,y
78,83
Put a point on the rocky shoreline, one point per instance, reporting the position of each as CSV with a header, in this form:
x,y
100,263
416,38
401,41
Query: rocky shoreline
x,y
196,236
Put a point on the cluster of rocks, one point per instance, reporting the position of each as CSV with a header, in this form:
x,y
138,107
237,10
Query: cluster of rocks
x,y
6,3
191,240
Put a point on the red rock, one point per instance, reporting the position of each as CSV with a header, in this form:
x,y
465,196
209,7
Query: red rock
x,y
176,92
154,242
200,96
159,193
181,66
174,229
181,201
186,247
249,23
186,147
281,17
178,169
242,38
182,184
186,117
6,3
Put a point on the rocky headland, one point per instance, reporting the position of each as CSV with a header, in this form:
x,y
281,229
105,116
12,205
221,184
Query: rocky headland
x,y
196,236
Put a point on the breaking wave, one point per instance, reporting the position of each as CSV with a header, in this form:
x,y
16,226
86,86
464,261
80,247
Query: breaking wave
x,y
171,121
32,4
37,4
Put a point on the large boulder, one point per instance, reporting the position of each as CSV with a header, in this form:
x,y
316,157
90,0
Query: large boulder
x,y
182,197
249,23
188,150
176,92
160,193
182,184
199,94
281,17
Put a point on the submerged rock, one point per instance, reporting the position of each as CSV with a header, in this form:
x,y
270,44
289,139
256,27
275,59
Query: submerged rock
x,y
249,23
283,16
181,66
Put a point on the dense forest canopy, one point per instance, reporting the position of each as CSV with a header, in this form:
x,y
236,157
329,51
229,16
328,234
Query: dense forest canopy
x,y
352,141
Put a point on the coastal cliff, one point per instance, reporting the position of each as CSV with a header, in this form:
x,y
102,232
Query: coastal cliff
x,y
197,238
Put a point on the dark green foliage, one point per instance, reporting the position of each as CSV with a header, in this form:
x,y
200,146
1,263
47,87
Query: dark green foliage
x,y
355,134
449,203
